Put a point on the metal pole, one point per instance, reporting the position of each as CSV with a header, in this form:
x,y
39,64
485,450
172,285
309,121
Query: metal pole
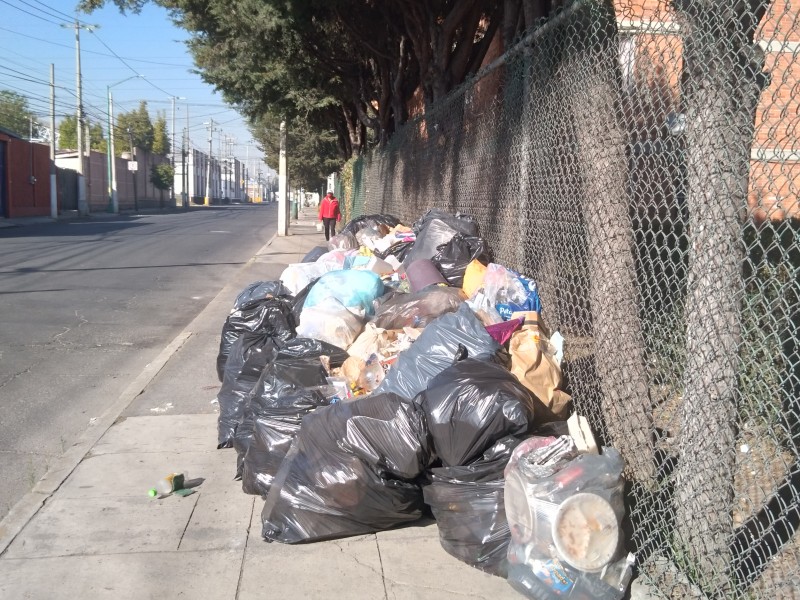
x,y
53,178
186,197
83,208
172,153
135,173
283,222
114,193
110,154
207,201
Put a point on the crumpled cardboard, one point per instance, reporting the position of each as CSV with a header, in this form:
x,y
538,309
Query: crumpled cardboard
x,y
534,364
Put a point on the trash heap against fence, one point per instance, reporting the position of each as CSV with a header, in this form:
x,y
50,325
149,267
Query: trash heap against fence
x,y
401,372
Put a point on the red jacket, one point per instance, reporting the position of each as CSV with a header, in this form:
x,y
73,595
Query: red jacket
x,y
329,208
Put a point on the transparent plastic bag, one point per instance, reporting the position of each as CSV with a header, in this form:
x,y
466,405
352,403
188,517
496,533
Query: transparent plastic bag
x,y
353,289
418,308
564,515
343,241
331,322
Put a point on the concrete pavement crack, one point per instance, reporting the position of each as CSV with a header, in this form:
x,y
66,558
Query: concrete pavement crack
x,y
13,376
357,561
383,573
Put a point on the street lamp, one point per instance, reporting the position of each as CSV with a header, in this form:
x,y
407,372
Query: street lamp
x,y
113,202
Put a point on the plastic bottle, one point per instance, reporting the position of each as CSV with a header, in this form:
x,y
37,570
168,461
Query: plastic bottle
x,y
169,484
372,375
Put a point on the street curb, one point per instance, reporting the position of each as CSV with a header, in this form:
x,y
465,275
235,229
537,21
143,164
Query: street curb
x,y
30,504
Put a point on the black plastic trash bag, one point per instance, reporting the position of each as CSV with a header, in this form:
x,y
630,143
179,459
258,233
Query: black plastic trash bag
x,y
260,307
249,355
470,406
419,308
314,254
359,223
300,299
461,222
239,416
468,505
349,472
399,250
453,257
442,342
286,391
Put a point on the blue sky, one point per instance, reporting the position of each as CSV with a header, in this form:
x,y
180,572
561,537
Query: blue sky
x,y
147,44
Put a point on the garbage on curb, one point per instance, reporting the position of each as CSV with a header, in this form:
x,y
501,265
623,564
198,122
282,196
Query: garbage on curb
x,y
400,367
166,485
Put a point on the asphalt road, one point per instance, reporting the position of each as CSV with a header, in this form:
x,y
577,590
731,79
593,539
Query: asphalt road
x,y
85,305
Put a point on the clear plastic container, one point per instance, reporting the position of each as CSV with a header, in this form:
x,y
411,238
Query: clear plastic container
x,y
169,484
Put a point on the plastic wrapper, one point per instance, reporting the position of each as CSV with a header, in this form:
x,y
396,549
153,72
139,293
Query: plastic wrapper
x,y
473,277
467,503
353,289
368,236
314,254
470,406
418,309
509,291
286,391
453,257
331,322
442,342
297,276
343,241
249,355
260,308
503,330
359,223
349,472
564,515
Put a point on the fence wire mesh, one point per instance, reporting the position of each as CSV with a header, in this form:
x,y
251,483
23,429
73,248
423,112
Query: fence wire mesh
x,y
640,159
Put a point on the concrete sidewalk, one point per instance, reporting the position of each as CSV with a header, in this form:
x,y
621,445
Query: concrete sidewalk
x,y
89,529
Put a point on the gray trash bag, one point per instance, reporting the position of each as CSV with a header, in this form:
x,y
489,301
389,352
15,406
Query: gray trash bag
x,y
470,406
441,343
258,308
350,471
461,222
468,505
286,391
418,309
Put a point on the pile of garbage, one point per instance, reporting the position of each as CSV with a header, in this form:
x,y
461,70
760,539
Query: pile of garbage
x,y
398,373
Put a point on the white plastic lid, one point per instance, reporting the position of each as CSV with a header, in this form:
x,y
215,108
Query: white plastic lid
x,y
586,531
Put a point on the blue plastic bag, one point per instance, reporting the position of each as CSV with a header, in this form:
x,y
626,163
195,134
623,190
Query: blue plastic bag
x,y
354,289
531,302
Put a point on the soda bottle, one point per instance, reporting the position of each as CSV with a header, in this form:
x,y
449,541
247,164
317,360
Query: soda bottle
x,y
171,483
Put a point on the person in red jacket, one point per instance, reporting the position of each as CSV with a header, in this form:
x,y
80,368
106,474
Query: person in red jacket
x,y
329,214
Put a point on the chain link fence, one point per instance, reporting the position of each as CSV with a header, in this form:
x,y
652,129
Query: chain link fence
x,y
641,160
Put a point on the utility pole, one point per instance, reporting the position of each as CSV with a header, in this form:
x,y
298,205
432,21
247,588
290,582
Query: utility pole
x,y
53,183
172,148
83,207
186,162
283,214
208,196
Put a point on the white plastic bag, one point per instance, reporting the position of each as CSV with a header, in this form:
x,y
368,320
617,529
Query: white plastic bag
x,y
331,322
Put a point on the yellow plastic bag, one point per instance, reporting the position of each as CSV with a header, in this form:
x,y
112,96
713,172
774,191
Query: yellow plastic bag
x,y
473,277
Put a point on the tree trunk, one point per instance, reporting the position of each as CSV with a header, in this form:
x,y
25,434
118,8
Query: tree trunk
x,y
721,86
601,151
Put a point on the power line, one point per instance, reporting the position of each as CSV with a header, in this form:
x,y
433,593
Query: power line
x,y
38,39
30,13
55,10
122,60
49,14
